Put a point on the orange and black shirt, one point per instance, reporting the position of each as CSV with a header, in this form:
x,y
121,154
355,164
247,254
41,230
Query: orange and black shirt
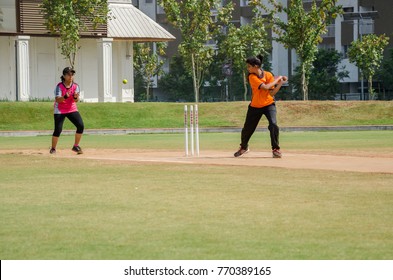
x,y
260,97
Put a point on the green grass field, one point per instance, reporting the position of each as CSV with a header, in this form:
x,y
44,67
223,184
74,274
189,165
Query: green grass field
x,y
39,115
57,208
347,142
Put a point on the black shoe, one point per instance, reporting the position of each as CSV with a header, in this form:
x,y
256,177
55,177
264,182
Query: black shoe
x,y
241,152
77,149
277,153
52,151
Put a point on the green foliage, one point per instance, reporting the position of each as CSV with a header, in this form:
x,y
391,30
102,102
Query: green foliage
x,y
147,62
325,76
177,83
385,75
197,26
139,88
244,41
367,54
241,42
303,29
68,18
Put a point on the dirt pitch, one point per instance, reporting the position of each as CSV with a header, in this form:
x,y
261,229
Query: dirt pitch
x,y
361,163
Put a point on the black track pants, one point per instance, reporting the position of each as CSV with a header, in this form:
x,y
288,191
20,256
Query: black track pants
x,y
253,117
74,117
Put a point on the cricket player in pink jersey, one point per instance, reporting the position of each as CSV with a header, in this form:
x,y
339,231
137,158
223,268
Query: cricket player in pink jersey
x,y
67,95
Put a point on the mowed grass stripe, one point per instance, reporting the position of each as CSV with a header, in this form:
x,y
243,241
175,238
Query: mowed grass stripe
x,y
371,143
55,208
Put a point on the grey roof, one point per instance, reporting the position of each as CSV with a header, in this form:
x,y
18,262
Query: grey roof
x,y
130,23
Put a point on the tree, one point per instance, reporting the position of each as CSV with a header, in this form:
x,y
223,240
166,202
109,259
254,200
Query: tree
x,y
325,76
367,55
194,20
240,43
215,85
303,29
147,62
385,74
176,83
69,18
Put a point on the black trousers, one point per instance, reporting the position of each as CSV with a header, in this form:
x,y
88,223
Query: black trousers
x,y
253,117
74,117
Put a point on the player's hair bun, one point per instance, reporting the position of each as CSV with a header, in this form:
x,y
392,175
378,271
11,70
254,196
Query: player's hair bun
x,y
260,58
255,61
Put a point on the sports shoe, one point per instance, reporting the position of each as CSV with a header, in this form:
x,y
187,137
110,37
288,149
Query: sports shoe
x,y
52,151
241,152
276,153
77,149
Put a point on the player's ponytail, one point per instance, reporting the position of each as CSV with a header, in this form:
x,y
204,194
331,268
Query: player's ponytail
x,y
260,57
62,79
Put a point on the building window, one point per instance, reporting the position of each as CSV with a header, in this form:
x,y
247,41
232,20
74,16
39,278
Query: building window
x,y
366,26
328,46
348,9
149,1
345,51
7,16
244,3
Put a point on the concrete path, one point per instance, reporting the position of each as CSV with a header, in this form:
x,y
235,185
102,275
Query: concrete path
x,y
201,130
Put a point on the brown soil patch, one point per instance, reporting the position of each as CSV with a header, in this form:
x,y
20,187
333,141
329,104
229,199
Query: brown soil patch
x,y
359,163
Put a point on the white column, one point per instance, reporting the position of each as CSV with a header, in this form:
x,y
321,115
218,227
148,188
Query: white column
x,y
337,34
22,68
280,54
105,70
127,92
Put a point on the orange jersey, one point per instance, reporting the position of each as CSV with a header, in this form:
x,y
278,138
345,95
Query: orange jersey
x,y
261,97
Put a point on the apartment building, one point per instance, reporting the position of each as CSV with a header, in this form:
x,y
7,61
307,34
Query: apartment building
x,y
362,17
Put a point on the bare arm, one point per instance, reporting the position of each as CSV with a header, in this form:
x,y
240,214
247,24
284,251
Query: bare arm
x,y
272,84
283,80
60,99
276,89
76,96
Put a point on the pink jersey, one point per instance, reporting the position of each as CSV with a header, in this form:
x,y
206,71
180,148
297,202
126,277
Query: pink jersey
x,y
68,105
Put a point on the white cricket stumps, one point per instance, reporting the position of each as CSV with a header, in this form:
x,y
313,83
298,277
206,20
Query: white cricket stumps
x,y
194,130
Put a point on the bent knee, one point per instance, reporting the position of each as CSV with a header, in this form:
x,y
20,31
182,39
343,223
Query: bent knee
x,y
80,129
57,133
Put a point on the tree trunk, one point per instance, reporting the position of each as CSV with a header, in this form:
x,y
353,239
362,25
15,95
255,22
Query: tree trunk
x,y
71,59
72,56
147,92
245,86
305,89
194,78
371,93
304,83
